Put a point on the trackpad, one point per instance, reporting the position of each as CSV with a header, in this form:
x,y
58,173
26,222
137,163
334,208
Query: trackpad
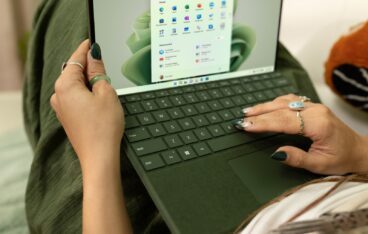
x,y
267,178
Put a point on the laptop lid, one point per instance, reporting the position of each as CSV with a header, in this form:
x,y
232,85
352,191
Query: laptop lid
x,y
150,45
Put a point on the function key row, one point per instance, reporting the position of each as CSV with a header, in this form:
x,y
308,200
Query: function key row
x,y
260,84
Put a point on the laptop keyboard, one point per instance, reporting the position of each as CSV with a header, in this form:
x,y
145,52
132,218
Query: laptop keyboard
x,y
172,126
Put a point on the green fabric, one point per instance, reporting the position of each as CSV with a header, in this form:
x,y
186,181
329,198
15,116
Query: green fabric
x,y
54,192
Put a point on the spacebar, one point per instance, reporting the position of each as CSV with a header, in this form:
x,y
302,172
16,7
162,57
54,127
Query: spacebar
x,y
229,141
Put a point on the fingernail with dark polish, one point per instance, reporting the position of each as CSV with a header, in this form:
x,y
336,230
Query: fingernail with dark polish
x,y
279,156
96,51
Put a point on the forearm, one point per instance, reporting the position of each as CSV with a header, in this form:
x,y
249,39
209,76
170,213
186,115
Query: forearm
x,y
104,208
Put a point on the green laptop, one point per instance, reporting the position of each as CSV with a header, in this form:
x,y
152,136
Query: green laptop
x,y
184,70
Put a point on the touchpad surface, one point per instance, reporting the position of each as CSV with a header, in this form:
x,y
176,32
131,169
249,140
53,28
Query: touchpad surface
x,y
267,178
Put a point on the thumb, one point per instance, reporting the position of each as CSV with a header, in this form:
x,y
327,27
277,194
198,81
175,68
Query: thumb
x,y
95,65
298,158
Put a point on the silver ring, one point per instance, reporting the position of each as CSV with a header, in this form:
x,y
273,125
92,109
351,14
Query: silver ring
x,y
305,99
302,123
65,64
296,106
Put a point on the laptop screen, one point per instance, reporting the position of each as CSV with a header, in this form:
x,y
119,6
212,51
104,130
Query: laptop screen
x,y
156,44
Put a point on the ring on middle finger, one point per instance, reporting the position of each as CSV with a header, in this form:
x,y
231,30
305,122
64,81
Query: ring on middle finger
x,y
296,106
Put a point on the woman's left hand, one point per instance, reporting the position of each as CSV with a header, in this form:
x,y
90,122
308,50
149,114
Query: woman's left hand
x,y
336,148
93,120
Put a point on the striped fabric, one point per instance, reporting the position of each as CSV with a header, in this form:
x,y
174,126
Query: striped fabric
x,y
352,84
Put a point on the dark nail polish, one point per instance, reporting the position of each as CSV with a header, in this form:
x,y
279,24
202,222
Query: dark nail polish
x,y
96,51
279,156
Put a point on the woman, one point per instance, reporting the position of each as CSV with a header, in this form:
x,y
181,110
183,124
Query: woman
x,y
95,135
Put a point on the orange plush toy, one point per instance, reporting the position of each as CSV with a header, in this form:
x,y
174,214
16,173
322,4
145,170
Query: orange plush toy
x,y
347,67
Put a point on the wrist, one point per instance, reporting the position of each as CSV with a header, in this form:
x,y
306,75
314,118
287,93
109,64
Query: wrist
x,y
360,153
100,160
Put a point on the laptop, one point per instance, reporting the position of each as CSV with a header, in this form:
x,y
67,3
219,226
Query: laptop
x,y
184,70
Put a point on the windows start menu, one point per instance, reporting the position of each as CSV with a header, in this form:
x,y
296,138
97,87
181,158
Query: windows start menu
x,y
190,38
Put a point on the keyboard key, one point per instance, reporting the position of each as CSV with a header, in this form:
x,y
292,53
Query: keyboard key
x,y
290,89
152,162
150,105
149,146
259,86
213,85
187,153
216,130
164,103
189,89
204,96
215,93
260,96
190,98
224,83
215,105
186,124
237,112
227,91
133,98
279,92
137,134
270,94
200,121
161,116
162,93
175,91
235,81
173,141
239,90
229,127
134,108
268,84
226,115
200,87
157,130
146,96
227,103
122,99
131,122
213,118
146,119
239,101
171,157
229,141
177,100
202,134
189,110
188,137
249,88
249,98
172,127
202,108
201,149
280,82
176,113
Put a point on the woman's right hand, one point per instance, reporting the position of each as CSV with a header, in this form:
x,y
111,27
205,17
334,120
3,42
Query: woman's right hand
x,y
336,148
